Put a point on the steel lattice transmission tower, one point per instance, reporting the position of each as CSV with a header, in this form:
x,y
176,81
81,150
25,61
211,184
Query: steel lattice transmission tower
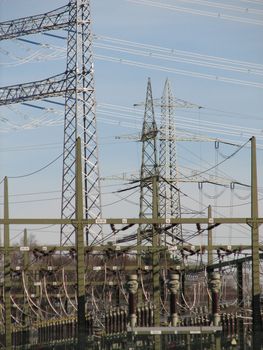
x,y
80,120
169,194
77,86
149,171
149,162
149,204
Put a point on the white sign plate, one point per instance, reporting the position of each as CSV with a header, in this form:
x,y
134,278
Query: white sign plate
x,y
101,221
24,249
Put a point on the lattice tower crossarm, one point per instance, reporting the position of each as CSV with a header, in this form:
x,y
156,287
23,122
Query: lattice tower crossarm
x,y
80,121
169,194
51,87
55,19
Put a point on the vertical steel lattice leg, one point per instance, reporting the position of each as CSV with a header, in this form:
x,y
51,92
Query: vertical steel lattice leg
x,y
80,121
169,194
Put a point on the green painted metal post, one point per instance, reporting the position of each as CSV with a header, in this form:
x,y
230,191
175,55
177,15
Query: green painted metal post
x,y
209,238
79,241
26,306
217,338
209,252
156,264
256,315
139,266
240,300
7,271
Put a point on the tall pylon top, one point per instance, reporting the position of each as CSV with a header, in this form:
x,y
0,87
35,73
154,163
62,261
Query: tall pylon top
x,y
149,130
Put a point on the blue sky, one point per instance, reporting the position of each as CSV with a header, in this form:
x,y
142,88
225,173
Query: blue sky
x,y
230,104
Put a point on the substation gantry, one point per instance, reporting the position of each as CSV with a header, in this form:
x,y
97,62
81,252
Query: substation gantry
x,y
132,329
79,220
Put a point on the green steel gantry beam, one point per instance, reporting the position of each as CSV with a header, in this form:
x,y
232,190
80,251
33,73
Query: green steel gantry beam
x,y
135,221
79,223
124,248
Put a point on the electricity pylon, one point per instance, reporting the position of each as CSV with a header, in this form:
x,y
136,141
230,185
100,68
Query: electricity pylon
x,y
80,120
77,85
149,202
149,168
149,162
149,190
169,192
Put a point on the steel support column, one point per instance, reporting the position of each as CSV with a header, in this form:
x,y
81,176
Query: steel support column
x,y
80,250
26,306
240,300
80,121
156,264
209,252
7,271
256,314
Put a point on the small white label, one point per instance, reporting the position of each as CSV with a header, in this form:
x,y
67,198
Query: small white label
x,y
155,332
146,267
37,284
115,268
32,295
50,268
177,267
229,247
173,248
117,247
54,283
101,221
24,249
175,332
44,248
211,220
96,268
195,332
110,283
18,268
124,221
167,221
58,295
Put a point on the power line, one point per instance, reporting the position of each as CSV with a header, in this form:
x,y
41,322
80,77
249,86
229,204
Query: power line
x,y
219,128
173,52
30,194
217,15
175,58
31,147
223,161
257,2
180,71
34,201
244,10
173,55
121,199
36,171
